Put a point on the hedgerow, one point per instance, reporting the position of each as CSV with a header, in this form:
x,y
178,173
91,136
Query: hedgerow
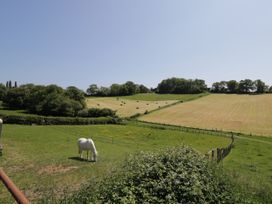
x,y
43,120
177,175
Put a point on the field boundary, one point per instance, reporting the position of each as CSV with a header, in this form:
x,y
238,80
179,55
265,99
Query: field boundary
x,y
216,132
167,106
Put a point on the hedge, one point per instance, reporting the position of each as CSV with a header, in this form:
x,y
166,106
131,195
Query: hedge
x,y
43,120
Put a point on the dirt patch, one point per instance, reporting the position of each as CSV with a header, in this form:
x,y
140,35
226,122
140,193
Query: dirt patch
x,y
55,169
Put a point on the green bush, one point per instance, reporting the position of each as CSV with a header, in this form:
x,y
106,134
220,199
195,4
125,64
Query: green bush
x,y
97,112
177,175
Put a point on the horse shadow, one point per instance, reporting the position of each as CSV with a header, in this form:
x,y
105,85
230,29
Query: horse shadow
x,y
80,159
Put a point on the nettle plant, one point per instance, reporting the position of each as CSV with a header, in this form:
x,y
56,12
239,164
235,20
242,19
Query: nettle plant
x,y
176,175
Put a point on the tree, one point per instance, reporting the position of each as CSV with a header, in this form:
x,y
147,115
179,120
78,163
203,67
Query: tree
x,y
181,86
16,98
115,90
3,92
131,87
260,86
103,91
92,90
246,86
143,89
74,93
15,85
270,89
232,86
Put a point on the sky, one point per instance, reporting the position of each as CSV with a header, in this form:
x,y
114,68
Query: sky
x,y
81,42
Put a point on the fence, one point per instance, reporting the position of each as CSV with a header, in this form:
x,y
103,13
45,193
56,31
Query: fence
x,y
218,132
16,193
219,154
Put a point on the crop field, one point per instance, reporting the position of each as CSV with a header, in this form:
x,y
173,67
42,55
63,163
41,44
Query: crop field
x,y
250,114
43,160
163,97
127,106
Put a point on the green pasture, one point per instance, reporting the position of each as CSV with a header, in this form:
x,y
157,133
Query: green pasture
x,y
14,112
43,160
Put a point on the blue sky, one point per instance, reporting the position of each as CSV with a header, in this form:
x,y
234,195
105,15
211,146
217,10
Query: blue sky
x,y
80,42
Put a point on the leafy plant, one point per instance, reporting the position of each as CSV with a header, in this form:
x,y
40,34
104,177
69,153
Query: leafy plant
x,y
177,175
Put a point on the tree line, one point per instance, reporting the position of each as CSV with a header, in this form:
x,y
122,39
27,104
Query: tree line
x,y
245,86
181,86
50,100
128,88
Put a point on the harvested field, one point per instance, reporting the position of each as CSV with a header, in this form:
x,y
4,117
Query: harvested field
x,y
250,114
125,107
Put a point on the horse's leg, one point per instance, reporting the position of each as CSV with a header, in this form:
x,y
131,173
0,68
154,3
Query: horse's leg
x,y
87,155
94,157
80,154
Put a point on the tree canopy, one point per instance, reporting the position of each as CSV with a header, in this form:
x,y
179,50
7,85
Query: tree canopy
x,y
128,88
181,86
243,87
45,100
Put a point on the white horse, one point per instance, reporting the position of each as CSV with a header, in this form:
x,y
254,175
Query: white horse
x,y
87,145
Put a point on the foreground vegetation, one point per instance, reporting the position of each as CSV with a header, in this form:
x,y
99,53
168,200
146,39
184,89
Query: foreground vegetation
x,y
250,114
174,175
43,162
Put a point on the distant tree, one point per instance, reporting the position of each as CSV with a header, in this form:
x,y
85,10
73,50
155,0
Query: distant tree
x,y
260,86
103,91
124,90
246,86
10,84
270,89
7,84
181,86
74,93
16,98
216,87
92,90
219,87
131,87
115,89
143,89
15,84
199,86
3,92
232,86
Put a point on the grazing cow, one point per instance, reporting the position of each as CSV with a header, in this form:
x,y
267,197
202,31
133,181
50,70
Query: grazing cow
x,y
87,145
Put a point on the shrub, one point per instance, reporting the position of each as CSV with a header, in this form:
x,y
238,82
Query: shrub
x,y
42,120
177,175
83,113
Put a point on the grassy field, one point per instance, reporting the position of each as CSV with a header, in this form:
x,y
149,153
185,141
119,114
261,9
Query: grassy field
x,y
239,113
127,106
42,158
14,112
39,158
